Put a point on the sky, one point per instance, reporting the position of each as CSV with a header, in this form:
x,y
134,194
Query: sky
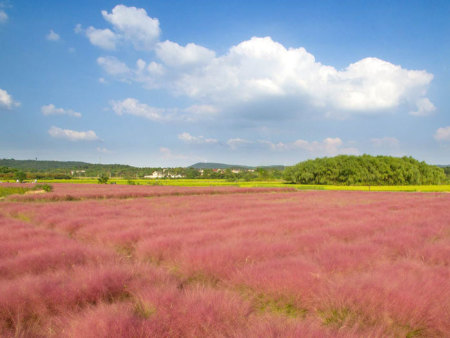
x,y
175,82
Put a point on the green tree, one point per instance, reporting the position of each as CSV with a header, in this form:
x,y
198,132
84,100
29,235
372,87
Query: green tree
x,y
103,178
364,170
20,176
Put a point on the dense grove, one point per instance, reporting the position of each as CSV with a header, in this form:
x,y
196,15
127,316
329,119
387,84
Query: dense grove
x,y
365,170
108,261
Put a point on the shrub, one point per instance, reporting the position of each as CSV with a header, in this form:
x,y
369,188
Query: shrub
x,y
46,187
103,179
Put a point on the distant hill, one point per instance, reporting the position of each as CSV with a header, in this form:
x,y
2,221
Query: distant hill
x,y
41,166
34,165
212,165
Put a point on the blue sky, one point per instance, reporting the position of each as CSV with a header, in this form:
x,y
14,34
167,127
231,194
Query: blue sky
x,y
171,83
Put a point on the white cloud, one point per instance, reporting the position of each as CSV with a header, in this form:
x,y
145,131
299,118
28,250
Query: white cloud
x,y
174,55
204,109
188,138
129,24
52,36
260,78
424,107
133,24
260,68
155,68
72,135
103,38
384,142
442,134
260,74
275,146
3,16
132,106
237,142
6,100
327,147
50,109
113,66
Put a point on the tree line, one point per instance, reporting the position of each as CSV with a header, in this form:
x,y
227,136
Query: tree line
x,y
131,173
365,170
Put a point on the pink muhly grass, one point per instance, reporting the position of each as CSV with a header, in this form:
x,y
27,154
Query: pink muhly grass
x,y
63,192
33,299
341,257
293,276
406,297
359,264
108,320
197,312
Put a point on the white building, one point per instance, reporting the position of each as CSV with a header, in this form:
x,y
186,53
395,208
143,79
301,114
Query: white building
x,y
155,174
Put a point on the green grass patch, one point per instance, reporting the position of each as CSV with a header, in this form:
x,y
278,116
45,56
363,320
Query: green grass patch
x,y
415,333
281,305
258,184
5,191
143,310
337,317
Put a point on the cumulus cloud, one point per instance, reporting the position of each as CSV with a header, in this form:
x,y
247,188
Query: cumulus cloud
x,y
327,147
384,142
174,55
275,146
113,66
52,36
259,72
3,16
237,142
129,24
442,134
188,138
6,100
203,109
50,109
424,107
135,25
261,68
260,78
131,106
72,135
103,38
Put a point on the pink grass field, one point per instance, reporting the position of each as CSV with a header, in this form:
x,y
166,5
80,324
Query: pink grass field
x,y
127,261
